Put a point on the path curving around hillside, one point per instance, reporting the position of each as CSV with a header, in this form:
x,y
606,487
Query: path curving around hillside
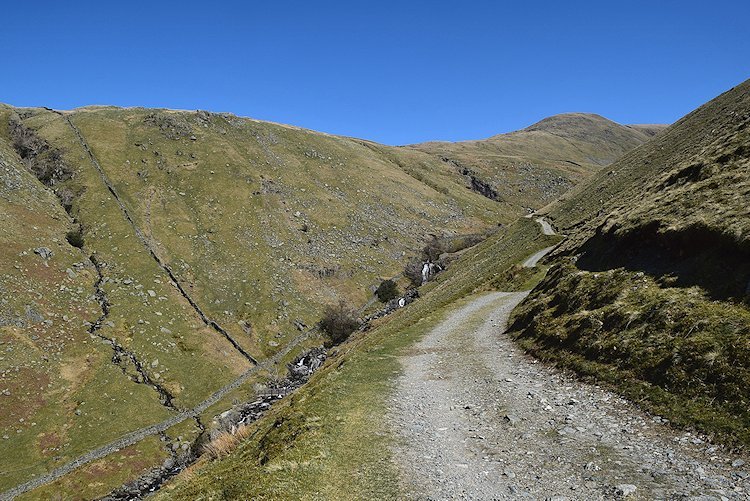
x,y
534,259
547,228
476,418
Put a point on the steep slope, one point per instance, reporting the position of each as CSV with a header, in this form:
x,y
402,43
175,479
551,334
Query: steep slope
x,y
650,291
332,439
645,294
61,379
194,246
543,161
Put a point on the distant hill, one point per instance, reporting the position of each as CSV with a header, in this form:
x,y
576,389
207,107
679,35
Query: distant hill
x,y
649,129
543,161
651,289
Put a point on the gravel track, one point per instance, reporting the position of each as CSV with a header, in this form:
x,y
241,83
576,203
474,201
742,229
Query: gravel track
x,y
533,259
478,419
546,227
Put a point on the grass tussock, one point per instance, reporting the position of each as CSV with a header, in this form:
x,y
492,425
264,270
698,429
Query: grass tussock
x,y
674,350
226,442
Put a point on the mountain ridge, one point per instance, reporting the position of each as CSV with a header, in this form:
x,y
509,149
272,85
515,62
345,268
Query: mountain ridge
x,y
545,159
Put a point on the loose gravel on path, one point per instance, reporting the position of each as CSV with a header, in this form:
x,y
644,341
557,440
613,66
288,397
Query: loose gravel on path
x,y
546,227
478,419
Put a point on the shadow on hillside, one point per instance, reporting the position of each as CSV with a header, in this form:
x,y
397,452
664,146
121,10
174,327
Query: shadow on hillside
x,y
696,255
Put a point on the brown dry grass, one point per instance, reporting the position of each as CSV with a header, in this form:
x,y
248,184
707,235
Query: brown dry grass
x,y
225,443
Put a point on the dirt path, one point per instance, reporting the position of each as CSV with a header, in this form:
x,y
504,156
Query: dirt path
x,y
546,227
535,257
478,419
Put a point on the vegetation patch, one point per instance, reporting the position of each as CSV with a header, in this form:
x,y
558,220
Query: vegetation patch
x,y
387,290
44,161
338,323
674,350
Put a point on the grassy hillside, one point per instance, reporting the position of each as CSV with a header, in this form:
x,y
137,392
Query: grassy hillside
x,y
186,247
651,290
330,440
537,164
60,391
647,294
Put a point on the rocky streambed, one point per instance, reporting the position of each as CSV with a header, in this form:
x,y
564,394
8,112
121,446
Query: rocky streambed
x,y
183,454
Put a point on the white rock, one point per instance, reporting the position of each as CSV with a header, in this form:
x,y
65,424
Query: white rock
x,y
625,490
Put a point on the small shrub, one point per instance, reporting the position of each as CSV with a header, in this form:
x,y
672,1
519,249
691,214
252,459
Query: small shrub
x,y
339,322
387,290
75,238
44,161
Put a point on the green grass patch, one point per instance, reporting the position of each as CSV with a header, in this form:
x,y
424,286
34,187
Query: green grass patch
x,y
99,478
672,350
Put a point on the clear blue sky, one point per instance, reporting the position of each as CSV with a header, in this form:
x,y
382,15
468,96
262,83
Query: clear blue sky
x,y
394,72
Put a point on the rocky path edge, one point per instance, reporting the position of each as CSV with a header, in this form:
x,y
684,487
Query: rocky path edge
x,y
476,418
